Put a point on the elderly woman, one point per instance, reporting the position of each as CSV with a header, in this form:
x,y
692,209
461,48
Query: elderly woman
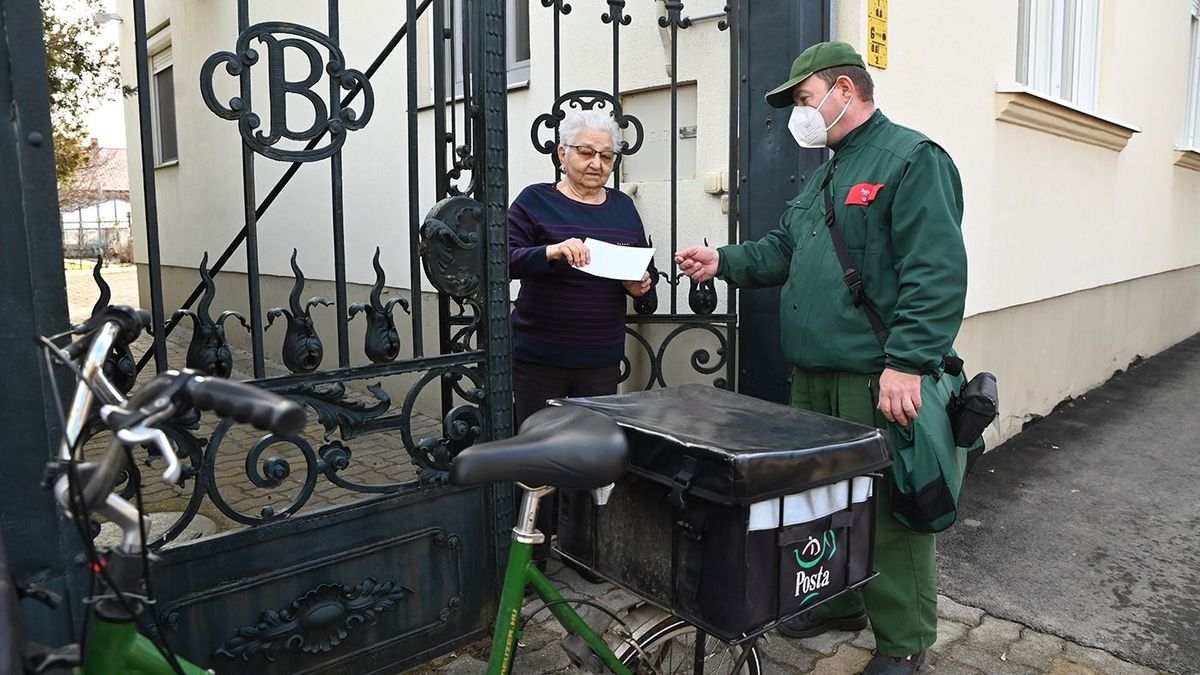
x,y
568,327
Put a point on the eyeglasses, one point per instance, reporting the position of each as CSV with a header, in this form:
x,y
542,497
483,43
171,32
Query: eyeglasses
x,y
587,152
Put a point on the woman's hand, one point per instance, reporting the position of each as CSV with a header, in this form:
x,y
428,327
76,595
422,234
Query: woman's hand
x,y
572,250
638,288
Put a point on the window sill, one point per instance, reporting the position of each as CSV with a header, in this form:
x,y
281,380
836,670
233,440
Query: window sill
x,y
1189,158
512,86
166,165
1024,107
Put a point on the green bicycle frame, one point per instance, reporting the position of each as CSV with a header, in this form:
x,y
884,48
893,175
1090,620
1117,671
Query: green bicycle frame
x,y
118,649
522,571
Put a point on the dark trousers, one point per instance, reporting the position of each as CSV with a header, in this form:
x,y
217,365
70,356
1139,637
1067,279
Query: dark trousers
x,y
533,385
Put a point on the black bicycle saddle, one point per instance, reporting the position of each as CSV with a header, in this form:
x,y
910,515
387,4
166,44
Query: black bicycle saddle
x,y
563,446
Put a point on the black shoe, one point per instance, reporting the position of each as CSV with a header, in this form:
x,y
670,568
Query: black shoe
x,y
882,664
806,625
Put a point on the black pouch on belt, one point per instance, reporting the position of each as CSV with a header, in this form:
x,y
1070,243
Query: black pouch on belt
x,y
975,406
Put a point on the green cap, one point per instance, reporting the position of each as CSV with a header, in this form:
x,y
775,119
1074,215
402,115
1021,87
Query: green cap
x,y
820,56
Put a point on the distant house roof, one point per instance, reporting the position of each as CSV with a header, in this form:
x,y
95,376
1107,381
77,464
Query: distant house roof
x,y
104,178
107,171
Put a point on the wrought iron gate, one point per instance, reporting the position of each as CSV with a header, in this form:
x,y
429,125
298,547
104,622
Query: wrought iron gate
x,y
342,550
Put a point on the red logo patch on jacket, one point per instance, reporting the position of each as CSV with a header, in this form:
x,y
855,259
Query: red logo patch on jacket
x,y
863,193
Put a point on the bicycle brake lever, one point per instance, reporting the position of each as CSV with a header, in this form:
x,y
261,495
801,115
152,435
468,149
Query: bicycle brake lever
x,y
141,434
43,595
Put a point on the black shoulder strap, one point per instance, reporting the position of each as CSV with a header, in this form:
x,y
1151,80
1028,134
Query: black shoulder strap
x,y
850,275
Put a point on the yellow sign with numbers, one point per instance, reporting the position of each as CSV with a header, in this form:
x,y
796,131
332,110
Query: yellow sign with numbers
x,y
877,55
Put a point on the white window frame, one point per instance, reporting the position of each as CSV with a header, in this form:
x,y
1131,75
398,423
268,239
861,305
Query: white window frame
x,y
158,48
518,70
1058,49
1191,127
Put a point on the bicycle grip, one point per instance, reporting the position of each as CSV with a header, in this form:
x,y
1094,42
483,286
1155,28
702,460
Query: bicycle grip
x,y
246,403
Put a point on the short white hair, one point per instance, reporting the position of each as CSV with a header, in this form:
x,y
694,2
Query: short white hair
x,y
589,119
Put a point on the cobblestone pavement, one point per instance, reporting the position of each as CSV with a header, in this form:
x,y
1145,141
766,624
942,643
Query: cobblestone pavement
x,y
969,643
378,458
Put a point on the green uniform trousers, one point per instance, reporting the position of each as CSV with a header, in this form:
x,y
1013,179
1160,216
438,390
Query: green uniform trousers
x,y
902,601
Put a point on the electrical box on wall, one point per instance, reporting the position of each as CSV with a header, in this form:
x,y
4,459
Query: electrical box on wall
x,y
652,162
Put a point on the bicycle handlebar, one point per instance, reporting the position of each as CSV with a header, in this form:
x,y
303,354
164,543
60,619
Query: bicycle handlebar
x,y
245,403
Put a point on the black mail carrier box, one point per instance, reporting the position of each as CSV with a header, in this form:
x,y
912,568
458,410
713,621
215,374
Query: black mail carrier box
x,y
736,513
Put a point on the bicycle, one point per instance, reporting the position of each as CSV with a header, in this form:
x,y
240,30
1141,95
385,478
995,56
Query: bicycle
x,y
117,643
574,448
569,447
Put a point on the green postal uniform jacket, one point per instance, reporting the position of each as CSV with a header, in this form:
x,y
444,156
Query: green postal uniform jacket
x,y
898,201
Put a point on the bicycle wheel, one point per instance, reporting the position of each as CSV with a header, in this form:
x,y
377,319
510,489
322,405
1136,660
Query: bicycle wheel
x,y
666,644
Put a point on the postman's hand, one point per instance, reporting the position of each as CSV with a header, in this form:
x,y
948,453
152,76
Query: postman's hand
x,y
638,288
698,262
899,396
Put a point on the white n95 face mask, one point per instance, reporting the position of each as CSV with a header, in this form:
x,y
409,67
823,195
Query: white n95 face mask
x,y
808,127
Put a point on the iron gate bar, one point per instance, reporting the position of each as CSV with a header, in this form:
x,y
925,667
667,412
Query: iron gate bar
x,y
617,17
148,186
440,141
252,273
736,78
672,19
414,207
275,191
559,7
339,232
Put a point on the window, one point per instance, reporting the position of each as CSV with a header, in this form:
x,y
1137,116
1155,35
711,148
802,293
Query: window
x,y
162,99
1058,52
1191,128
517,52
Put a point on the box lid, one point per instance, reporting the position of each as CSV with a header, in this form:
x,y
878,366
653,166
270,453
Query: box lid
x,y
729,447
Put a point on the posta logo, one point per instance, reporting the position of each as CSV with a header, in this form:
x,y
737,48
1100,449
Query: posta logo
x,y
809,581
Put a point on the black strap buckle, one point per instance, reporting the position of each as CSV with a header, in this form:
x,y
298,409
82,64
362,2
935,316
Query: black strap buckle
x,y
683,481
855,283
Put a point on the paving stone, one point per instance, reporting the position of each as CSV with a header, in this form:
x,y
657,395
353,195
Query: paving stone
x,y
1036,650
993,635
847,661
549,659
1102,661
949,632
538,635
788,653
1061,666
464,665
825,644
954,611
947,666
971,655
865,639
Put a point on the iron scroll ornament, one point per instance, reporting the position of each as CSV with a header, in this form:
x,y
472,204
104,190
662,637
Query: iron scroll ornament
x,y
317,621
331,117
584,99
450,247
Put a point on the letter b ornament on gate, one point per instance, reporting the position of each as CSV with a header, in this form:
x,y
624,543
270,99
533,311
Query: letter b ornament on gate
x,y
328,116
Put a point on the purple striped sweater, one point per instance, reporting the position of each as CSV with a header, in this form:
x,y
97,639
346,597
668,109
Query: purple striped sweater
x,y
564,317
